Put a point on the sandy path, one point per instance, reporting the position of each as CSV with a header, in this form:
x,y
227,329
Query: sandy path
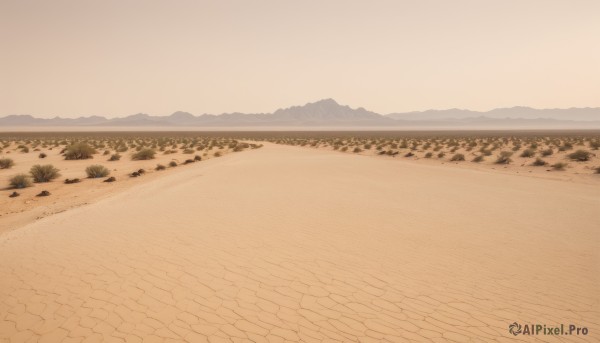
x,y
293,244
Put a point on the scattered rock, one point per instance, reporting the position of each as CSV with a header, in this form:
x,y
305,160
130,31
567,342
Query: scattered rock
x,y
43,194
135,174
110,179
14,195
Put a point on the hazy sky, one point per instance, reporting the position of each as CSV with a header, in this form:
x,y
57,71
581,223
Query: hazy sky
x,y
119,57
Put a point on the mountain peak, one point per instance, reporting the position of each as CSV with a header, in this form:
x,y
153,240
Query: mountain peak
x,y
182,115
326,102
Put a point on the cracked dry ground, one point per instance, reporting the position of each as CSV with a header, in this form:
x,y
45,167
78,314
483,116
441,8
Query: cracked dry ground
x,y
284,244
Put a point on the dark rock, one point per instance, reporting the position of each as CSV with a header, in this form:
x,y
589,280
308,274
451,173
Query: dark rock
x,y
14,195
110,179
43,194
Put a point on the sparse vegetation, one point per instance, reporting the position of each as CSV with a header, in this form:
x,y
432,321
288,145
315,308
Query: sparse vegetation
x,y
457,157
528,153
478,159
559,166
539,162
580,156
79,151
96,171
144,154
6,163
20,181
115,157
44,173
504,157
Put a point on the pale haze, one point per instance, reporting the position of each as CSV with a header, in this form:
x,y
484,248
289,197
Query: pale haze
x,y
115,58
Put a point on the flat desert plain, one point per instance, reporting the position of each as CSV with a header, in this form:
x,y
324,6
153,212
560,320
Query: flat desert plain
x,y
290,244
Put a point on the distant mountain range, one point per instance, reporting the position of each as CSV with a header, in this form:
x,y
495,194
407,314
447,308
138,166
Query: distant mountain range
x,y
328,113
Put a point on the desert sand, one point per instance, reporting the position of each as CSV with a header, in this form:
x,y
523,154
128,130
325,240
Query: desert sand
x,y
292,244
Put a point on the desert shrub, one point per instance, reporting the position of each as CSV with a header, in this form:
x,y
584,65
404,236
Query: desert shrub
x,y
188,151
197,158
597,170
79,151
559,166
428,155
539,162
457,157
547,152
528,153
478,159
595,145
504,157
96,170
160,167
580,156
44,173
357,150
6,163
144,154
441,154
42,155
115,157
172,164
20,181
218,154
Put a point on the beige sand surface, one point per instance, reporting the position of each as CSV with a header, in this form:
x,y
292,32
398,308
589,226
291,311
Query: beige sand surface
x,y
289,244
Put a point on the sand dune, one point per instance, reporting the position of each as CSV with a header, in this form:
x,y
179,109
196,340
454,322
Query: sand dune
x,y
288,244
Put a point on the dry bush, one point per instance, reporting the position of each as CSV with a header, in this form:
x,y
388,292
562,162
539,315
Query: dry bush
x,y
478,159
44,173
457,157
20,181
115,157
559,166
6,163
144,154
172,164
504,157
528,153
96,170
580,156
79,151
